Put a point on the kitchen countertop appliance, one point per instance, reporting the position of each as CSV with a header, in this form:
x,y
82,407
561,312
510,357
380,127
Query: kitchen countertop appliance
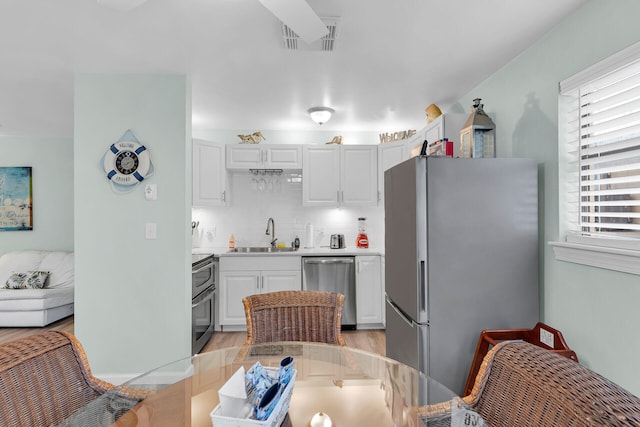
x,y
461,255
204,279
337,241
333,274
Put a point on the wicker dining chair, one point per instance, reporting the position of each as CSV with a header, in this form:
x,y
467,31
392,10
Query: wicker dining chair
x,y
521,384
313,316
44,378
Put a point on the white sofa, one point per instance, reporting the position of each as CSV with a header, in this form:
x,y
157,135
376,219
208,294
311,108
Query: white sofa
x,y
36,307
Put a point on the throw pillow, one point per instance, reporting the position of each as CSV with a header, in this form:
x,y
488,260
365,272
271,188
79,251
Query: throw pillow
x,y
28,280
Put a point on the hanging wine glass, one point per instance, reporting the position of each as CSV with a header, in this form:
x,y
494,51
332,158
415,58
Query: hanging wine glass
x,y
261,182
277,185
270,182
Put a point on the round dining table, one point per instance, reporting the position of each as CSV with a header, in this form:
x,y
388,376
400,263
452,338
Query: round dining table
x,y
350,386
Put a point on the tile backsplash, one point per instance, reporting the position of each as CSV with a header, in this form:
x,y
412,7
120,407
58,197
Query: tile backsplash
x,y
248,210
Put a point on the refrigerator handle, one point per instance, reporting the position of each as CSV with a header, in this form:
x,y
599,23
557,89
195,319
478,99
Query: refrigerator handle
x,y
398,311
423,289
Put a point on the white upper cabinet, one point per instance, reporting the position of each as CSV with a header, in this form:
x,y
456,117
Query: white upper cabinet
x,y
320,175
359,174
445,126
255,156
340,175
209,174
389,155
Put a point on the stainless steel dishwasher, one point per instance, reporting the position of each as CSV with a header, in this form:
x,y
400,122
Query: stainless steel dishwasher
x,y
333,274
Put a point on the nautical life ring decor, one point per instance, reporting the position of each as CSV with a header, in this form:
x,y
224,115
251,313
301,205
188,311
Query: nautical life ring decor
x,y
127,163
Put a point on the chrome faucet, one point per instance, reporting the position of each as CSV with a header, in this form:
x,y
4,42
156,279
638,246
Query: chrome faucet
x,y
273,231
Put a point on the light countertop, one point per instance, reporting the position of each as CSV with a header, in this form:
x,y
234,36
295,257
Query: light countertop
x,y
318,251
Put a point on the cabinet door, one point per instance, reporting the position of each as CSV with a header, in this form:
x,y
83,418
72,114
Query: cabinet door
x,y
235,285
273,281
320,175
369,292
389,155
359,175
446,126
209,174
435,130
245,156
284,157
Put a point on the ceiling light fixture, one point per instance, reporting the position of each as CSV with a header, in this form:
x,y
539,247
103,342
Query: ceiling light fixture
x,y
320,115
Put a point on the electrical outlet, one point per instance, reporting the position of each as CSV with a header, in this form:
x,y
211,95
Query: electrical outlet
x,y
546,337
210,232
151,192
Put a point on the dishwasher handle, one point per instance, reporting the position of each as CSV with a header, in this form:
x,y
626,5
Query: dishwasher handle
x,y
342,260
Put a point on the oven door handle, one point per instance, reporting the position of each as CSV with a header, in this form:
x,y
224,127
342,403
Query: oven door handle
x,y
205,295
206,266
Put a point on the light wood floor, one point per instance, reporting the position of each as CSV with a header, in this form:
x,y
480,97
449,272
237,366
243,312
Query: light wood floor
x,y
10,334
369,340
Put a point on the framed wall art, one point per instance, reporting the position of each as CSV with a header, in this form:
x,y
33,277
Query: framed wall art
x,y
16,190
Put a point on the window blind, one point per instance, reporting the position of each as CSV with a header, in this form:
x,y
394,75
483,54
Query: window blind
x,y
602,134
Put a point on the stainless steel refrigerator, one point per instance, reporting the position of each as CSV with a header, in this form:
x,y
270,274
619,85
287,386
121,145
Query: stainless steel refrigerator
x,y
461,255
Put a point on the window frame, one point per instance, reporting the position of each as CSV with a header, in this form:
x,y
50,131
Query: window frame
x,y
612,253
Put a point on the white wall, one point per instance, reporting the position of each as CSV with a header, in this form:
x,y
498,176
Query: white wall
x,y
51,160
596,309
133,296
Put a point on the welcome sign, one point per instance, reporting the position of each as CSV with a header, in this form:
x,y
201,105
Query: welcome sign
x,y
16,210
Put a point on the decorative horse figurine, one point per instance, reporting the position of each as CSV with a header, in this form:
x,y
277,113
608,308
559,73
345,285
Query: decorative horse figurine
x,y
336,140
253,138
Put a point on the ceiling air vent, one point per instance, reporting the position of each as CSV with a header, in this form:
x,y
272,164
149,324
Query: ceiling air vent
x,y
327,43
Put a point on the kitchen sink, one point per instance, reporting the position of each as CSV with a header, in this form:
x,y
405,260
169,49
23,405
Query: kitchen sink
x,y
250,249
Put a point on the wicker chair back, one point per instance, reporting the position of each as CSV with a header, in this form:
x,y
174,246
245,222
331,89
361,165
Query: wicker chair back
x,y
44,378
313,316
521,384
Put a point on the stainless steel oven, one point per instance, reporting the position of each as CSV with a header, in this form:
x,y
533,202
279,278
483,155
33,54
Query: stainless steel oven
x,y
204,281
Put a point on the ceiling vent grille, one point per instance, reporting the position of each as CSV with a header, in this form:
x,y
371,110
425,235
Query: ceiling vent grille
x,y
326,44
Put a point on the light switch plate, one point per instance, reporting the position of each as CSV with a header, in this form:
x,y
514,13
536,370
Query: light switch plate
x,y
150,231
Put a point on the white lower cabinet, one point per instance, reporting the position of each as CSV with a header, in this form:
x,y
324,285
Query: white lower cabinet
x,y
241,276
369,292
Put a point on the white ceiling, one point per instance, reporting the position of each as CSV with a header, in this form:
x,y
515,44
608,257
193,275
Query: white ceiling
x,y
391,58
